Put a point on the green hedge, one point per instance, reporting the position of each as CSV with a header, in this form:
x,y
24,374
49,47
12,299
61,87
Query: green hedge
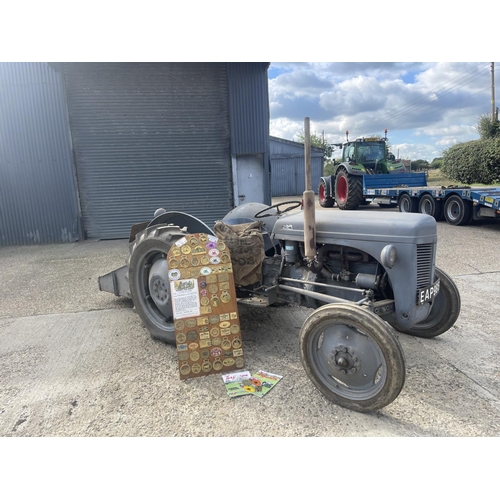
x,y
474,162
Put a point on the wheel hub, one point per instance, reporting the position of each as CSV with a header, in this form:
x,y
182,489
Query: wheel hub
x,y
159,286
160,291
344,359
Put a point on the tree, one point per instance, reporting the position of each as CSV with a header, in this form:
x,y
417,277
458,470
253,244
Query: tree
x,y
487,128
318,141
437,163
419,165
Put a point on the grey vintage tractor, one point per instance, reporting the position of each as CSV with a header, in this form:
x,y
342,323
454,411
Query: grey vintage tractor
x,y
363,275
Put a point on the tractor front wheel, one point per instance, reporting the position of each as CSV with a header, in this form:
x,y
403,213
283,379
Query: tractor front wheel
x,y
324,197
148,279
352,356
348,190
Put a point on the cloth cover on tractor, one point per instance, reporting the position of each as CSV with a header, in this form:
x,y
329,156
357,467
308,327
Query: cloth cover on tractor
x,y
246,245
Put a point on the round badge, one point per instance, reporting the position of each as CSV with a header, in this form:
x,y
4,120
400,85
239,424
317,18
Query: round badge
x,y
192,335
205,260
185,249
204,301
195,356
234,329
203,238
220,245
195,261
203,293
226,344
193,241
206,366
225,297
180,338
183,356
228,362
185,369
236,343
214,332
213,252
225,259
216,351
196,368
213,319
203,284
214,260
193,346
205,353
215,301
175,252
249,388
174,274
213,288
216,341
184,263
240,362
191,322
211,244
218,364
179,325
205,271
225,324
173,263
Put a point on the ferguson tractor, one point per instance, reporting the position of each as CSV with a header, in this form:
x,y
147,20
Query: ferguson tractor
x,y
363,276
364,156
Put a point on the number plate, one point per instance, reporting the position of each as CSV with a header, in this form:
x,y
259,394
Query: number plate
x,y
427,294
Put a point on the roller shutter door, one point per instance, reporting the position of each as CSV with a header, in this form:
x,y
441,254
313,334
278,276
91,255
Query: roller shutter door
x,y
149,135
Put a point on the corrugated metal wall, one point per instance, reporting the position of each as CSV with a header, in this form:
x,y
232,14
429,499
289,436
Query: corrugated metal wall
x,y
38,201
288,167
149,135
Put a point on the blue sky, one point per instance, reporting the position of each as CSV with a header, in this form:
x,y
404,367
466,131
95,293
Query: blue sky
x,y
427,107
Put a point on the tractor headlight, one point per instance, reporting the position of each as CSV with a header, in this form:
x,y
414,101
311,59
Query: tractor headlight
x,y
388,256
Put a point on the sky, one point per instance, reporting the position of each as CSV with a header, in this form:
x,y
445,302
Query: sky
x,y
426,107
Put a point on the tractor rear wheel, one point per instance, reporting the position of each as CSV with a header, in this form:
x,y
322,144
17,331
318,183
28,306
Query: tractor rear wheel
x,y
348,190
429,206
352,356
148,279
325,200
458,212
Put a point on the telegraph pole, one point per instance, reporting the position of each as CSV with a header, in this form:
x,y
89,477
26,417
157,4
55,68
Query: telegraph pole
x,y
492,92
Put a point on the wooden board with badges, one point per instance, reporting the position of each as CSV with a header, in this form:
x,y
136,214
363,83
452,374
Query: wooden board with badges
x,y
206,320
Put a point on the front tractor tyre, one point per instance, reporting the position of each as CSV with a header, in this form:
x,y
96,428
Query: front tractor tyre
x,y
324,198
148,279
444,311
352,356
348,190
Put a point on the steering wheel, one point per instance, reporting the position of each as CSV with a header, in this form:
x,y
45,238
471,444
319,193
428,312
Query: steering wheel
x,y
294,204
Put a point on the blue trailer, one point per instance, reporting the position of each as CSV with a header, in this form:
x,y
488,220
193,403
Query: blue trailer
x,y
458,205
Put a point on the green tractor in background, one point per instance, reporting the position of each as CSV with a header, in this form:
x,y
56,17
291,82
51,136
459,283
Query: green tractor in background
x,y
364,156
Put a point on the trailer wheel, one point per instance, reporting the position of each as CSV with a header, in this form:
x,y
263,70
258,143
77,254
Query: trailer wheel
x,y
324,199
352,357
444,311
407,203
458,212
148,279
430,206
348,190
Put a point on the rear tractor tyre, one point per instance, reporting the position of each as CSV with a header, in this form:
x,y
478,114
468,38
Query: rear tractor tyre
x,y
430,206
352,357
458,212
325,199
444,311
407,204
348,190
148,279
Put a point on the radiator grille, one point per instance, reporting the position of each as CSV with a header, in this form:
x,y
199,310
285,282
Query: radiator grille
x,y
424,264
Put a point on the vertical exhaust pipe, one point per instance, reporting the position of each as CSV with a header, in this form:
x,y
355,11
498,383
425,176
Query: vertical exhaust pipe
x,y
309,200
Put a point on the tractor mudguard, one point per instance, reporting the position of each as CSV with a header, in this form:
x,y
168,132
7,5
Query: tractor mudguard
x,y
181,219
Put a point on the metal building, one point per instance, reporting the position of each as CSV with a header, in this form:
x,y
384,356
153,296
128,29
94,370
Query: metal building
x,y
191,137
288,167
